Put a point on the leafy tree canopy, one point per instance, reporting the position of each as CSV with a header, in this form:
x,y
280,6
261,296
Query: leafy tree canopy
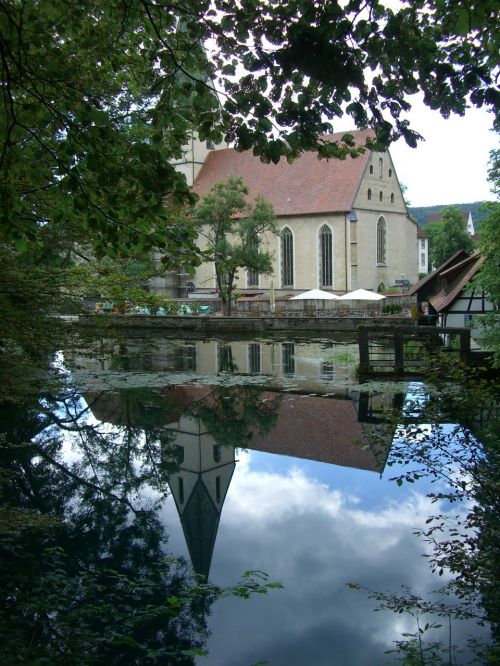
x,y
448,236
488,278
99,97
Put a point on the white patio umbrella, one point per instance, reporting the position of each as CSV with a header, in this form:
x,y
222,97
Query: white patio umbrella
x,y
361,295
314,295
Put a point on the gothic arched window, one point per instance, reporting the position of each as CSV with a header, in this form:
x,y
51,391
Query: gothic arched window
x,y
326,256
381,241
253,275
286,258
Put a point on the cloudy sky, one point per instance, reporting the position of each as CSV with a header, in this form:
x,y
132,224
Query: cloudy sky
x,y
451,165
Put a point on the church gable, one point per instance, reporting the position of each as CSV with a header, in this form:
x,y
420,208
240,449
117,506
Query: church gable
x,y
379,187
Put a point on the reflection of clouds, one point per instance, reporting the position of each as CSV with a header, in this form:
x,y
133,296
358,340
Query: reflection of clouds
x,y
313,539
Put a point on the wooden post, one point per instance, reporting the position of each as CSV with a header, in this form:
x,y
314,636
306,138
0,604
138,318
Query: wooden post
x,y
464,344
364,354
399,357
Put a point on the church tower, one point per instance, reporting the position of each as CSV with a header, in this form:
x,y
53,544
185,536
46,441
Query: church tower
x,y
176,283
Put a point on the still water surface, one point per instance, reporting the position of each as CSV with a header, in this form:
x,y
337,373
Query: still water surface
x,y
261,455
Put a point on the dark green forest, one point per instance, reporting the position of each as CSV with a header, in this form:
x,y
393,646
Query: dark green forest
x,y
421,213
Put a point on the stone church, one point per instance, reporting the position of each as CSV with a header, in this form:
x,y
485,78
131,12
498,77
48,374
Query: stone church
x,y
343,225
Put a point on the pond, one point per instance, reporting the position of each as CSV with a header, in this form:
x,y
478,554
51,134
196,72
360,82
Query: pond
x,y
261,455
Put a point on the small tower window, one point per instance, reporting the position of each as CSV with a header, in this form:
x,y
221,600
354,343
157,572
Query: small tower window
x,y
380,167
369,194
380,195
371,168
390,173
217,453
392,197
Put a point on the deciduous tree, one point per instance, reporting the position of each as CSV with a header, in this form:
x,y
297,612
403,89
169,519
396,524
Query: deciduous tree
x,y
98,97
232,230
488,278
448,236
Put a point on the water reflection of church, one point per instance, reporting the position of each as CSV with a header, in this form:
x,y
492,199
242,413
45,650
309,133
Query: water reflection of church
x,y
199,487
205,423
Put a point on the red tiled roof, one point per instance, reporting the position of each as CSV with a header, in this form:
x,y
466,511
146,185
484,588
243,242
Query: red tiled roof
x,y
306,186
310,427
316,428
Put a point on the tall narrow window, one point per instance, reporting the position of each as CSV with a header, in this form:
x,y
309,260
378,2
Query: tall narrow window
x,y
254,357
371,168
381,241
288,358
185,358
253,276
326,256
380,167
369,194
286,258
392,197
380,195
225,359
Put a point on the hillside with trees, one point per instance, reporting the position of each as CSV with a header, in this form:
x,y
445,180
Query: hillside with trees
x,y
422,213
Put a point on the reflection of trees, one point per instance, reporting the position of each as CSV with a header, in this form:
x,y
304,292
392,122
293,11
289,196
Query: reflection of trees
x,y
233,414
82,558
83,552
465,459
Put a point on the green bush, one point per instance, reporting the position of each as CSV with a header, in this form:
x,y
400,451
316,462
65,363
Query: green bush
x,y
392,308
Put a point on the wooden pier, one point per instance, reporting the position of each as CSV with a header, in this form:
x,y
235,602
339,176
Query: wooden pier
x,y
403,350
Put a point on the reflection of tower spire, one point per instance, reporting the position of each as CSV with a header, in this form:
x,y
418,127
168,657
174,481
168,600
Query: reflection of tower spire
x,y
200,487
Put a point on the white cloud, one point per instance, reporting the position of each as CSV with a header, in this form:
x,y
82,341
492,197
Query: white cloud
x,y
314,539
450,166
